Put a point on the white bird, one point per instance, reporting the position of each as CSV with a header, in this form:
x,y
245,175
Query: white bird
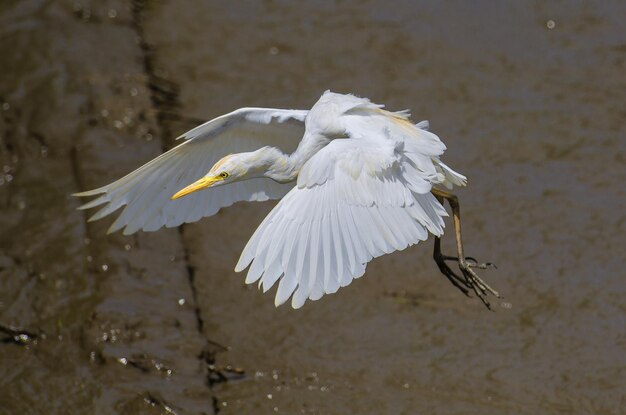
x,y
359,184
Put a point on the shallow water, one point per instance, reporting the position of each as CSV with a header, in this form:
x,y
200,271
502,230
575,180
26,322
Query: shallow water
x,y
528,98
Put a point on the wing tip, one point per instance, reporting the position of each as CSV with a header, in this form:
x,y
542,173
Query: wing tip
x,y
88,193
241,265
279,301
93,203
115,226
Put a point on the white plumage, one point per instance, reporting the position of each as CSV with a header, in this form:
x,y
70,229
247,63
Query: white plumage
x,y
356,186
147,191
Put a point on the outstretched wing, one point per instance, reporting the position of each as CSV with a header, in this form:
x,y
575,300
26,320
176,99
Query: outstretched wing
x,y
146,192
355,200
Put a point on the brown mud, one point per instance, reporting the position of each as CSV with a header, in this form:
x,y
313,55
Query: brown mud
x,y
529,98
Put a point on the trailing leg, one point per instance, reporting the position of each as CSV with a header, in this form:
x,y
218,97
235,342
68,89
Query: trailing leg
x,y
470,280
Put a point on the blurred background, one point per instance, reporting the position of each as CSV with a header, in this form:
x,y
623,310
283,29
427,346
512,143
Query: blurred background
x,y
529,98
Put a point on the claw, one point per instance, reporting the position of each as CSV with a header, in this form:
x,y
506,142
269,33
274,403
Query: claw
x,y
470,281
474,280
475,264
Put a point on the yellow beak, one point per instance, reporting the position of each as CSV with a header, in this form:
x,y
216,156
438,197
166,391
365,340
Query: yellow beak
x,y
203,183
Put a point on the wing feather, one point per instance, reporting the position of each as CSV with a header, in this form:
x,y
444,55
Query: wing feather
x,y
342,214
146,192
314,253
272,274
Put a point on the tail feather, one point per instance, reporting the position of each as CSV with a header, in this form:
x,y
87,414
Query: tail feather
x,y
451,178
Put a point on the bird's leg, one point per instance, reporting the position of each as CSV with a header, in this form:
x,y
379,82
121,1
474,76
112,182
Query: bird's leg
x,y
441,259
470,280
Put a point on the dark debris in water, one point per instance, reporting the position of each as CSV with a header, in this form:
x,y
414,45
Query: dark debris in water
x,y
220,374
145,364
10,334
157,401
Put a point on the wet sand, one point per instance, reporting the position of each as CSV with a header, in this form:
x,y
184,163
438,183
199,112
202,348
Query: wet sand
x,y
529,100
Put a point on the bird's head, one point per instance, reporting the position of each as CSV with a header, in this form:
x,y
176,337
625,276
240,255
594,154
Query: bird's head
x,y
229,169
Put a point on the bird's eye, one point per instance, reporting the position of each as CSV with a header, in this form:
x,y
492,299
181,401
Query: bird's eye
x,y
224,175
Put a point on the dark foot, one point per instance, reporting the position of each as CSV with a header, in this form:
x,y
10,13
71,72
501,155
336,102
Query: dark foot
x,y
470,281
480,287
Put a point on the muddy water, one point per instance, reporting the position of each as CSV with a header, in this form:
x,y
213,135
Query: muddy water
x,y
529,99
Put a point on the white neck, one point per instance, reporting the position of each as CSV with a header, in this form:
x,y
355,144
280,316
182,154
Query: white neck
x,y
285,168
